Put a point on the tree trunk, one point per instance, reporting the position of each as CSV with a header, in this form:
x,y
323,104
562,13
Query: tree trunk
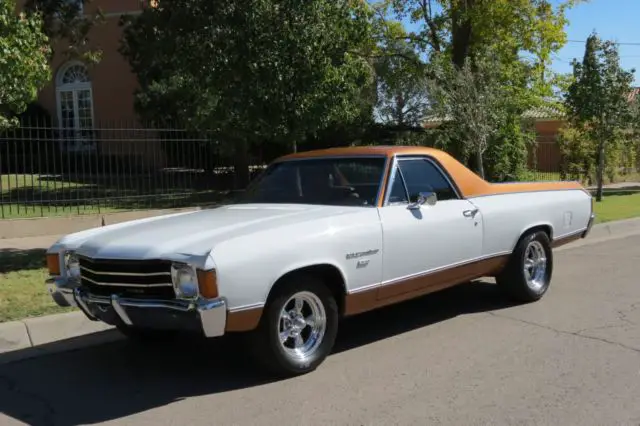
x,y
241,164
479,164
600,171
461,29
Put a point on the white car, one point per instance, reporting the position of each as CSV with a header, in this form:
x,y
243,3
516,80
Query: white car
x,y
319,236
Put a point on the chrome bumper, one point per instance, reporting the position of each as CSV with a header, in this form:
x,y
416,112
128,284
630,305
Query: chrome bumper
x,y
208,316
589,226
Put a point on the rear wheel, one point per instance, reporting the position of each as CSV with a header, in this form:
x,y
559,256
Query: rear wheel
x,y
527,276
298,327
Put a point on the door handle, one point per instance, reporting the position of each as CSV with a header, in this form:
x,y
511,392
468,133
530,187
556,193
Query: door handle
x,y
470,213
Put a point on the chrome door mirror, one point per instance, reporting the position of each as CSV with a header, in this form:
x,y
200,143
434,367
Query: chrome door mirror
x,y
428,198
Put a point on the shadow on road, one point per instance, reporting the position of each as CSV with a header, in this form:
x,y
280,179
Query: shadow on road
x,y
120,379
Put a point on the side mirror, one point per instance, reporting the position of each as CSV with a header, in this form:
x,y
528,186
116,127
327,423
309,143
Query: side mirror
x,y
428,198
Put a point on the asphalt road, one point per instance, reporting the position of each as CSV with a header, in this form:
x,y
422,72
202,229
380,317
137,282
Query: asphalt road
x,y
459,357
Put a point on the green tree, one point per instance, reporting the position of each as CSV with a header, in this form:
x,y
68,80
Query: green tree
x,y
473,100
253,70
67,23
598,99
521,36
511,29
24,66
402,86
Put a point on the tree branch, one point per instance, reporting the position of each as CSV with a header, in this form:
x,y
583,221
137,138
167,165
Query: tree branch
x,y
427,9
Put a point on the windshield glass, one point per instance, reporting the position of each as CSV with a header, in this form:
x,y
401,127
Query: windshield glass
x,y
328,181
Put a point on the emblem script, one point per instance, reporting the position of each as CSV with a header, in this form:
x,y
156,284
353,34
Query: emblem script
x,y
362,254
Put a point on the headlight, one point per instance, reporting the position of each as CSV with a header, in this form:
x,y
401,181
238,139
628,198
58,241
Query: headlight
x,y
72,265
185,281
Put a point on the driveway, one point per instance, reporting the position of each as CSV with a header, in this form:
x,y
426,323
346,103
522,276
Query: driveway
x,y
459,357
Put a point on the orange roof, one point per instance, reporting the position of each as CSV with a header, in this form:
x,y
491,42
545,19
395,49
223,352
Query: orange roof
x,y
385,150
469,183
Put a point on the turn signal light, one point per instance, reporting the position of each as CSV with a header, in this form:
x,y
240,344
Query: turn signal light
x,y
208,284
53,264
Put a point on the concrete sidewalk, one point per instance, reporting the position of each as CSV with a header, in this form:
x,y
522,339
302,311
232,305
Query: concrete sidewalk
x,y
62,332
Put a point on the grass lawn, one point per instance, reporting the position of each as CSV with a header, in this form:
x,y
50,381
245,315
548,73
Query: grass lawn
x,y
22,290
617,207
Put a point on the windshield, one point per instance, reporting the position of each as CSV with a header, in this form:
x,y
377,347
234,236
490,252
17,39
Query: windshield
x,y
328,181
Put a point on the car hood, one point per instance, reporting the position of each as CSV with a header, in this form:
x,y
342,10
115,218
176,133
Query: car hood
x,y
195,233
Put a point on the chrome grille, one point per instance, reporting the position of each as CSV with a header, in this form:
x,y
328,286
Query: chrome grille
x,y
133,278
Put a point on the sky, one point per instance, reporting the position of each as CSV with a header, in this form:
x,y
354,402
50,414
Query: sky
x,y
615,20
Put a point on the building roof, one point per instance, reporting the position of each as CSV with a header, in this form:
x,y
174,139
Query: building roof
x,y
542,113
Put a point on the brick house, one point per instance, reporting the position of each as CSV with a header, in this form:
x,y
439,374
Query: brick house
x,y
79,95
547,122
91,103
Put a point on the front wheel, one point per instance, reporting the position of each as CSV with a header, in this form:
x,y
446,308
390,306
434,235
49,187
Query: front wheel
x,y
527,276
298,327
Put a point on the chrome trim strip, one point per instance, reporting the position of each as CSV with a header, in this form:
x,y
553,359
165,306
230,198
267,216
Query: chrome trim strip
x,y
115,303
443,268
127,274
397,158
438,167
496,194
364,288
570,234
179,306
77,296
587,231
211,313
389,184
428,272
127,285
324,157
247,307
381,182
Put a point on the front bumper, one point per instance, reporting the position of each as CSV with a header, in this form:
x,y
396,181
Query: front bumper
x,y
207,316
589,226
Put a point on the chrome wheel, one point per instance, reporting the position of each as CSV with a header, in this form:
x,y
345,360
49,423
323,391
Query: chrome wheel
x,y
302,325
535,265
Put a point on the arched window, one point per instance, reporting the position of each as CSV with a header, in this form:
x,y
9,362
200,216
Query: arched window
x,y
75,107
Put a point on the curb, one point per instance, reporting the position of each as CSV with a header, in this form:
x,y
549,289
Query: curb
x,y
52,334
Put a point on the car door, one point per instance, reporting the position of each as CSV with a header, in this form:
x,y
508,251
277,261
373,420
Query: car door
x,y
421,243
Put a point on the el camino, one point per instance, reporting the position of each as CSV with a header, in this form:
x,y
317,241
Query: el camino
x,y
319,236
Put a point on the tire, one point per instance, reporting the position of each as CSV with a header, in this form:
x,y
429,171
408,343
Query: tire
x,y
318,301
528,286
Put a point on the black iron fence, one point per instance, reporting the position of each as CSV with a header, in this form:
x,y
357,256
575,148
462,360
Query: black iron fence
x,y
47,171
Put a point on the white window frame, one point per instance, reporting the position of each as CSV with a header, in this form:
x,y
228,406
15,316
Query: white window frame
x,y
74,88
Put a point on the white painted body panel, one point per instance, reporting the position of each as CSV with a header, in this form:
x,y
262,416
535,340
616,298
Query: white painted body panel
x,y
506,216
252,246
248,265
417,241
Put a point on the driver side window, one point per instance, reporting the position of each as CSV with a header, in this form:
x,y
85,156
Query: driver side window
x,y
421,175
